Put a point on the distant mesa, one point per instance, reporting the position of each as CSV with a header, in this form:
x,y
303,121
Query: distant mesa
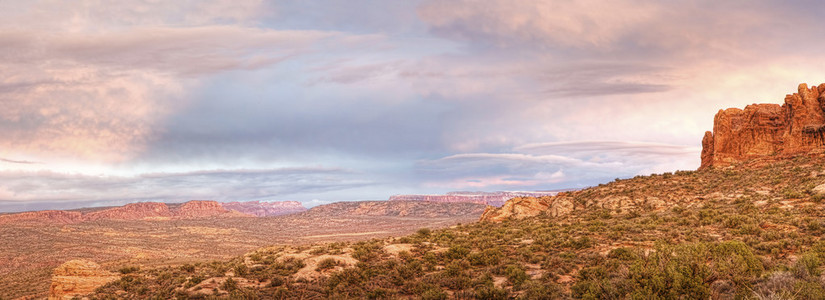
x,y
266,209
157,211
760,130
496,199
397,208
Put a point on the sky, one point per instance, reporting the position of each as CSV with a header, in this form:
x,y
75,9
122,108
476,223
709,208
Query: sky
x,y
107,102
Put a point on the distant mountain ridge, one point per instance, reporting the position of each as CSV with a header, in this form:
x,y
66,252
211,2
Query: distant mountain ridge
x,y
156,211
496,199
265,209
397,208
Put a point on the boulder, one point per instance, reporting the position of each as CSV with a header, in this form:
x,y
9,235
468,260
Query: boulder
x,y
77,278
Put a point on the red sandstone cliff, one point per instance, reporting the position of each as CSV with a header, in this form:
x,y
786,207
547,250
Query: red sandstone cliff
x,y
797,126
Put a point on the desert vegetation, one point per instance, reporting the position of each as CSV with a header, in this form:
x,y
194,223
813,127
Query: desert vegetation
x,y
754,232
29,252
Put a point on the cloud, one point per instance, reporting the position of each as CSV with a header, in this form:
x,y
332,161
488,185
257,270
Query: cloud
x,y
24,190
94,81
556,165
14,161
541,24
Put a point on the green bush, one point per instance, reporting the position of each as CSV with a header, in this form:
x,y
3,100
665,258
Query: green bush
x,y
516,275
326,264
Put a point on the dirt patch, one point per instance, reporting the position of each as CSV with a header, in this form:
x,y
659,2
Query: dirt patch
x,y
394,249
310,270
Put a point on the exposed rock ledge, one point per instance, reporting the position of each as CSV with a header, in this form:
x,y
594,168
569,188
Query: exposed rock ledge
x,y
77,278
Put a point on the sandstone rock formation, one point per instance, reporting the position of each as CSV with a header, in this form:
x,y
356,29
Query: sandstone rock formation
x,y
496,199
266,209
523,207
77,278
797,126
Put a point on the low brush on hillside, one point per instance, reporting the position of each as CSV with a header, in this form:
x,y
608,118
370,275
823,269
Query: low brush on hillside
x,y
751,230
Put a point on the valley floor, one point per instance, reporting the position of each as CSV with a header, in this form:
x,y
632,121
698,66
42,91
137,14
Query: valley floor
x,y
28,254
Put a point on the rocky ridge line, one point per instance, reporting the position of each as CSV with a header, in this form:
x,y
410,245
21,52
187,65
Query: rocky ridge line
x,y
795,127
760,134
156,211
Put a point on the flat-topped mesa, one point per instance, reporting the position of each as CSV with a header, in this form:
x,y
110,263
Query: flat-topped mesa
x,y
797,126
265,209
199,208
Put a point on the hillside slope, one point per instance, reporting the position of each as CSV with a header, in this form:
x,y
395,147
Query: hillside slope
x,y
751,230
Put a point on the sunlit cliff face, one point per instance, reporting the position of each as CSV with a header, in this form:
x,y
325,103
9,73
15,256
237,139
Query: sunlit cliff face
x,y
104,102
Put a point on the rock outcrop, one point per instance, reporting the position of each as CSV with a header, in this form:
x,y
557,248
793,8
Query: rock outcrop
x,y
266,209
496,199
797,126
77,278
523,207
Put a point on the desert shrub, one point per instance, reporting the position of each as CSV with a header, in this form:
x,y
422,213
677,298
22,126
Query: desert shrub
x,y
779,285
492,293
622,254
457,252
433,293
808,265
348,281
189,268
326,264
241,270
424,232
593,283
535,290
516,275
367,251
580,242
229,284
193,281
129,269
733,260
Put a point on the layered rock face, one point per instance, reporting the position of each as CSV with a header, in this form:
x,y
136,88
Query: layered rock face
x,y
797,126
266,209
77,278
496,199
